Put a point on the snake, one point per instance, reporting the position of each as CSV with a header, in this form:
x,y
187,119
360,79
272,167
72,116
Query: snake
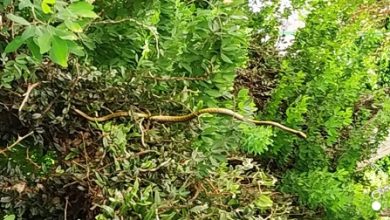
x,y
188,117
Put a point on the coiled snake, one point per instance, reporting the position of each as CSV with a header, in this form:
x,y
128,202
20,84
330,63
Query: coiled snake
x,y
188,117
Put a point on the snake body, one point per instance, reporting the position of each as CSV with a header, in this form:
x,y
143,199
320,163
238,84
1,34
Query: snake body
x,y
188,117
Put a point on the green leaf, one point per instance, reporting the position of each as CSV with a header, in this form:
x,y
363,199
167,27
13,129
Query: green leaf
x,y
18,19
108,210
229,49
46,6
59,51
9,217
29,32
65,34
187,67
88,42
73,26
82,9
213,93
24,4
14,45
263,201
75,49
34,48
44,42
7,2
225,58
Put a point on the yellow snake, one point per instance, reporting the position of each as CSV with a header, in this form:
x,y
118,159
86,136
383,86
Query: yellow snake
x,y
188,117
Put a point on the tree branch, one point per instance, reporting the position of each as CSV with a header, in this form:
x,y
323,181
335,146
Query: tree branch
x,y
27,94
15,143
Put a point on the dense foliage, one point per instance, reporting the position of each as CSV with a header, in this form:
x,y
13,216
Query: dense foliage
x,y
173,57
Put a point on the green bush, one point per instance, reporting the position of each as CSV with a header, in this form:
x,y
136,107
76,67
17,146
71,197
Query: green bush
x,y
172,57
331,85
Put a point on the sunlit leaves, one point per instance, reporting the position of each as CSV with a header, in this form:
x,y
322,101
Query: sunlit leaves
x,y
47,5
245,103
295,112
44,41
263,201
73,26
256,139
330,66
59,51
59,41
166,57
82,9
9,217
226,58
325,81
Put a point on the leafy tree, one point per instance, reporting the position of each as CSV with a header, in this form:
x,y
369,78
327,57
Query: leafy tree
x,y
172,57
331,85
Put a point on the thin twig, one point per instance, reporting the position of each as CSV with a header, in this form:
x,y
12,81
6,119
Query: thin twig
x,y
16,143
196,194
69,184
86,157
30,160
66,208
157,217
166,207
141,128
27,94
146,152
105,108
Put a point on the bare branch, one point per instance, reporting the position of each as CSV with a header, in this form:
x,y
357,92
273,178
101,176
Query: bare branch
x,y
16,143
27,94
